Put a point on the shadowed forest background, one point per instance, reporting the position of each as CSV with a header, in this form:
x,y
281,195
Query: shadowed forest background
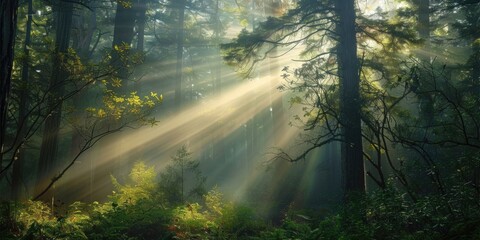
x,y
240,119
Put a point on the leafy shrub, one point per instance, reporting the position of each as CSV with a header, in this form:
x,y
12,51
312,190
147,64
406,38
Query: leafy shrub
x,y
191,223
135,209
145,219
290,230
142,185
390,214
219,220
35,220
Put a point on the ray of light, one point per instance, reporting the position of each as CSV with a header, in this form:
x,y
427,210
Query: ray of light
x,y
218,116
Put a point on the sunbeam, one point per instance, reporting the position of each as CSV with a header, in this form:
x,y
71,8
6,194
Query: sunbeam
x,y
217,116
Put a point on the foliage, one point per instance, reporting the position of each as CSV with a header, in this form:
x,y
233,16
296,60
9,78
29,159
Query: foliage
x,y
146,219
142,185
219,220
383,214
182,179
36,220
290,229
389,214
133,212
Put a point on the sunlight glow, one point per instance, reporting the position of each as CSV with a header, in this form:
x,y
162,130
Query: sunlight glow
x,y
217,116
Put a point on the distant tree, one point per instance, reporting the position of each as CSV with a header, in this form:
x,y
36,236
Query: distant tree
x,y
141,9
182,178
17,174
123,34
50,140
180,6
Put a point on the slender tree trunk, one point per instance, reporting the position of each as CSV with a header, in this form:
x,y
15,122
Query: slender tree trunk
x,y
423,23
48,150
84,25
141,18
218,143
17,175
276,105
8,24
218,66
423,28
424,84
141,10
180,39
350,106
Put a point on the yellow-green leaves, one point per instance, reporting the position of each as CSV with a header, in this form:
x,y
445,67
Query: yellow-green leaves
x,y
116,82
142,185
295,100
214,201
101,113
476,43
129,106
125,3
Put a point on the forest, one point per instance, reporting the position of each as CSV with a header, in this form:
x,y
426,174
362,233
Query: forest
x,y
239,119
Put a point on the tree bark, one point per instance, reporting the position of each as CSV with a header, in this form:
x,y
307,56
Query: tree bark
x,y
423,28
423,14
48,150
17,175
84,25
218,58
141,18
273,8
350,103
180,40
8,24
123,33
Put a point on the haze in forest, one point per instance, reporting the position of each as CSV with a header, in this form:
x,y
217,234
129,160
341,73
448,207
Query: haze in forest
x,y
335,119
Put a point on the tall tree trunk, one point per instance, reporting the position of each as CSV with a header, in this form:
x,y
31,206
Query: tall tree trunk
x,y
423,28
218,151
141,9
123,33
17,175
424,85
141,18
350,106
48,150
181,4
84,25
8,24
423,21
218,62
273,8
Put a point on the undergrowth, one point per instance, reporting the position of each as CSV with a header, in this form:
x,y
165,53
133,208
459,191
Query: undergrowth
x,y
138,210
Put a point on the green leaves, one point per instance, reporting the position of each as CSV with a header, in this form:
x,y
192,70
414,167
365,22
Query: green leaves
x,y
142,185
219,220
